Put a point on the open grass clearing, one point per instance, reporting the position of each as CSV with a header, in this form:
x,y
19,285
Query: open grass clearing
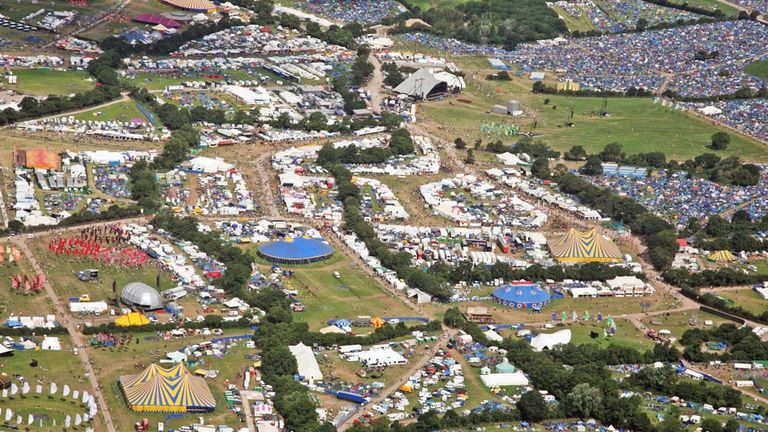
x,y
637,123
758,69
351,295
111,363
61,367
15,301
574,24
61,272
44,82
746,299
122,111
678,322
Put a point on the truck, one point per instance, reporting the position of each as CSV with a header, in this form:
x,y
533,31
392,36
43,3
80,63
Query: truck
x,y
82,298
352,397
88,275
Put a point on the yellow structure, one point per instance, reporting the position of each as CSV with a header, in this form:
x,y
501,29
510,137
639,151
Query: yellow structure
x,y
132,319
722,256
173,390
377,322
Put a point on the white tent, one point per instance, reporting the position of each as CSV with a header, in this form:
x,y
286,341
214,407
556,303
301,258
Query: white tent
x,y
306,361
504,379
548,341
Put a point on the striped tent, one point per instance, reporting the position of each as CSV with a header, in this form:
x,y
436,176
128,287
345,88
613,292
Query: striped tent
x,y
192,5
157,389
722,256
584,246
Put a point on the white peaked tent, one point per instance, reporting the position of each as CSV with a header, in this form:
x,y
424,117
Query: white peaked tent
x,y
422,84
54,388
25,389
39,388
76,395
65,391
67,422
14,389
78,420
8,415
30,419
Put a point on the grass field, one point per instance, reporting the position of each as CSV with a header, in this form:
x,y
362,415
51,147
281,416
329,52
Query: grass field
x,y
637,123
61,367
121,111
425,5
581,24
111,363
326,297
14,302
715,4
61,269
43,81
759,69
747,299
626,335
677,323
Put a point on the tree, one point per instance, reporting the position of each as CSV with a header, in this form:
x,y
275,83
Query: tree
x,y
460,144
593,167
470,157
584,401
720,140
576,153
711,425
16,226
707,160
532,407
612,152
540,168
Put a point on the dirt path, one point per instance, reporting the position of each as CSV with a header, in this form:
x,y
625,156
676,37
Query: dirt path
x,y
123,98
415,367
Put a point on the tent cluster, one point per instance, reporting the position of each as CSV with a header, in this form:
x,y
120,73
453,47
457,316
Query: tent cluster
x,y
12,253
584,246
27,283
157,389
97,251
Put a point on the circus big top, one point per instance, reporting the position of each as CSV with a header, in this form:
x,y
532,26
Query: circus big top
x,y
584,246
157,389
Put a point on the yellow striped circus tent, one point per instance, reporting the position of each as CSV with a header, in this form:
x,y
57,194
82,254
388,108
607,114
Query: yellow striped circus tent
x,y
584,246
722,256
174,390
192,5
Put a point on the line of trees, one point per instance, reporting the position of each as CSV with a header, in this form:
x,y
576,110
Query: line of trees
x,y
238,264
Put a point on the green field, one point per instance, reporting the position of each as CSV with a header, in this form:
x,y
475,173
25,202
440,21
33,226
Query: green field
x,y
61,269
61,367
111,363
326,297
44,81
747,299
120,111
637,123
715,4
17,302
581,24
759,69
677,323
626,335
425,5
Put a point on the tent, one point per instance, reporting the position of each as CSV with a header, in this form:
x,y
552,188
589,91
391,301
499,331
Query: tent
x,y
422,84
192,5
584,246
377,322
132,319
721,256
167,390
548,341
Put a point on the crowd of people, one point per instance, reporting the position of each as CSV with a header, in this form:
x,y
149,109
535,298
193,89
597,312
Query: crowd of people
x,y
747,115
646,59
679,197
757,5
362,11
454,46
